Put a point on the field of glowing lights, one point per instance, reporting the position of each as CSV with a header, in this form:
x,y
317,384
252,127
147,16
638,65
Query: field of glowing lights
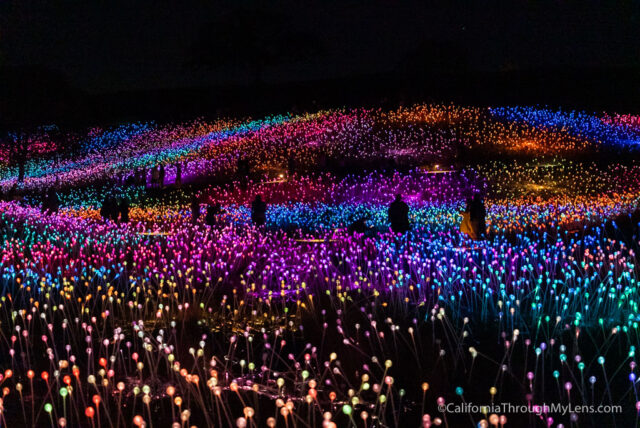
x,y
163,321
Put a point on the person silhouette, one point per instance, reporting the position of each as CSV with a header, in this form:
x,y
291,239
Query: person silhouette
x,y
114,211
359,226
104,209
291,164
213,211
161,175
399,215
178,180
124,210
155,176
243,169
52,202
478,215
195,208
258,211
109,209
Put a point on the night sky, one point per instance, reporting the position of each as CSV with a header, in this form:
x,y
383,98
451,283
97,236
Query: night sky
x,y
105,46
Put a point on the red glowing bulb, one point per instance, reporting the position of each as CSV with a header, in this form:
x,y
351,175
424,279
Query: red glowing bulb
x,y
89,412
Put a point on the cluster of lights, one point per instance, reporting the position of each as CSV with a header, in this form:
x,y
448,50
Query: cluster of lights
x,y
303,322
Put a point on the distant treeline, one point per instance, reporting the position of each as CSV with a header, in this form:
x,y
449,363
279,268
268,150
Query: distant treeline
x,y
34,96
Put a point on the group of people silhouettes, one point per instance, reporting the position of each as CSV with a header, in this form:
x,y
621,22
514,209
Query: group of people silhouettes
x,y
474,222
213,211
51,203
115,209
212,214
157,176
474,217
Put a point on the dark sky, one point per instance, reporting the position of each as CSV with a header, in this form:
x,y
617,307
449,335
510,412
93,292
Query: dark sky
x,y
109,45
